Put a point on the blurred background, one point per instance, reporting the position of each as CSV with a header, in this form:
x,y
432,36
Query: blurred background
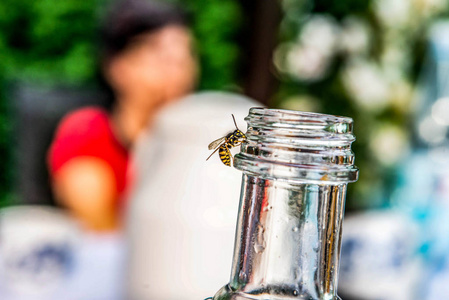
x,y
382,62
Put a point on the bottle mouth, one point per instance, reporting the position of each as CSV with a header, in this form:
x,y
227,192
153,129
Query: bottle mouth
x,y
298,146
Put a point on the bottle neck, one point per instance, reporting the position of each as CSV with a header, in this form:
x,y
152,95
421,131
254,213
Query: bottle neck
x,y
288,240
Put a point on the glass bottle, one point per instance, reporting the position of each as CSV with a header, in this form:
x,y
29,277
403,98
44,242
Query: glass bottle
x,y
296,167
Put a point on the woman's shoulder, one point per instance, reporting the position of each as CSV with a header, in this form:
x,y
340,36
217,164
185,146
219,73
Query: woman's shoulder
x,y
86,112
82,132
85,120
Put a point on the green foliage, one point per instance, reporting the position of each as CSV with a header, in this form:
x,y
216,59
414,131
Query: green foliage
x,y
54,41
340,9
48,41
215,24
5,150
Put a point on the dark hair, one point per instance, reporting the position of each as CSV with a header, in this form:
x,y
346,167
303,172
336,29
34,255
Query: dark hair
x,y
126,19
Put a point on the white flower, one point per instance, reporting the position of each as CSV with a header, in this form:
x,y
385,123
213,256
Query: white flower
x,y
306,63
355,36
393,13
395,60
320,33
389,144
279,57
440,111
431,132
366,84
300,62
308,59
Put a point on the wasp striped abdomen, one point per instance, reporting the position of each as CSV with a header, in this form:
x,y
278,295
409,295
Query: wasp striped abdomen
x,y
225,154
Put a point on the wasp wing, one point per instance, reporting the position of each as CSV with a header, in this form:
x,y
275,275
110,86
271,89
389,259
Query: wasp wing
x,y
215,143
213,152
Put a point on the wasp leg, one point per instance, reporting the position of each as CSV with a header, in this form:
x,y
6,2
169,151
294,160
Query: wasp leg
x,y
216,149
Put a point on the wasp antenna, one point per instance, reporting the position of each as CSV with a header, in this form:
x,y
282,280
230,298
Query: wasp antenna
x,y
235,123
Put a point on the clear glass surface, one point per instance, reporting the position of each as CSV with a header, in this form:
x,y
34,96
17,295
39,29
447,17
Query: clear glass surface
x,y
288,241
296,167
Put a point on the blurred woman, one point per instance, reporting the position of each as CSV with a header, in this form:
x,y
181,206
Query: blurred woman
x,y
147,61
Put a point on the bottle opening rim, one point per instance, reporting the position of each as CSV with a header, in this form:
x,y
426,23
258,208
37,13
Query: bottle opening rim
x,y
297,145
298,115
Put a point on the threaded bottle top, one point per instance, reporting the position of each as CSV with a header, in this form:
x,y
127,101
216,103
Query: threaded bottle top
x,y
298,146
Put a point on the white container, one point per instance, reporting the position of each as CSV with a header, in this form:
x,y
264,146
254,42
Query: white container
x,y
183,210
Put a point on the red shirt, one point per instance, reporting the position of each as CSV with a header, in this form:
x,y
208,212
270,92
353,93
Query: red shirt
x,y
88,132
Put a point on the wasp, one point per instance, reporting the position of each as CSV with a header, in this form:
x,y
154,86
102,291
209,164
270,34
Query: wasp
x,y
224,144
